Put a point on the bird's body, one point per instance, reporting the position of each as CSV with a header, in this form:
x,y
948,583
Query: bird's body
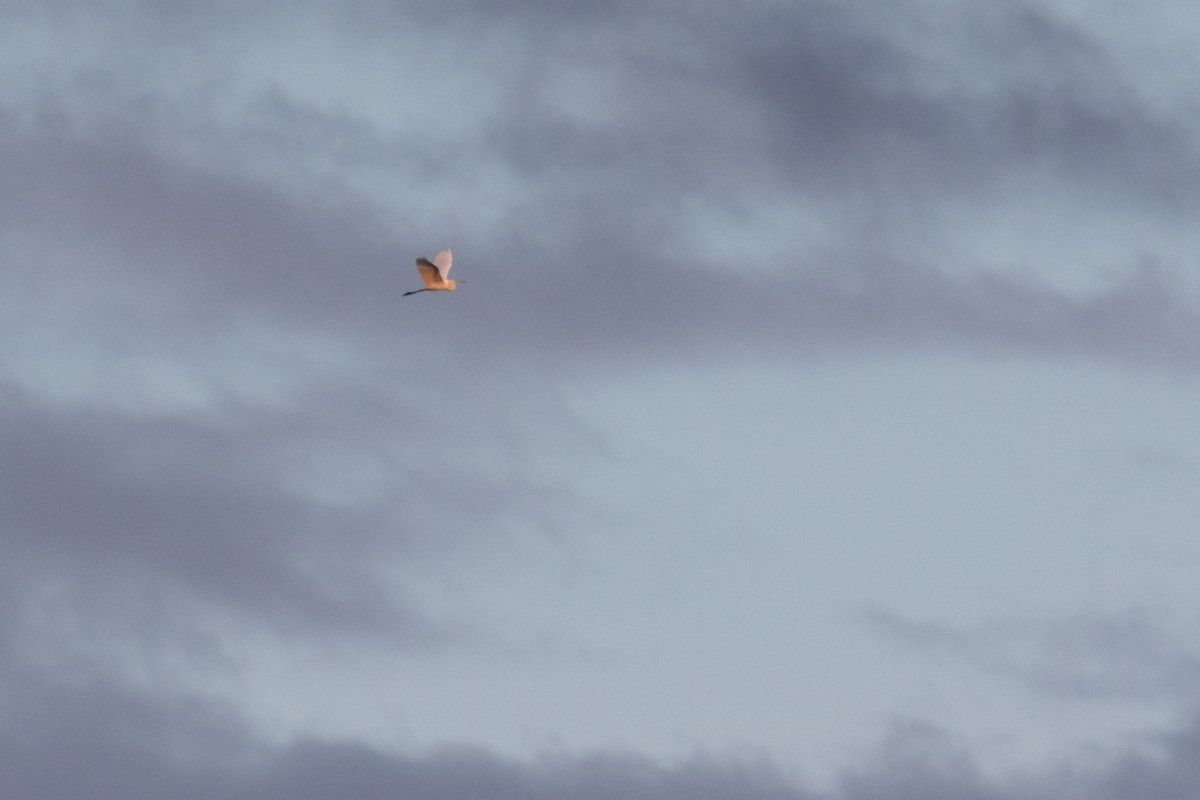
x,y
433,274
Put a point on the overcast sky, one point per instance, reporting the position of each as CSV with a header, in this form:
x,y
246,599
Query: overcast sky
x,y
818,421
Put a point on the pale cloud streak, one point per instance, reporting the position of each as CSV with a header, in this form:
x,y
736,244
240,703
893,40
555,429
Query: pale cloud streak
x,y
1087,656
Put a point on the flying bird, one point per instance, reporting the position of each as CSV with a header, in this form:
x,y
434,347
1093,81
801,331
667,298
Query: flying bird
x,y
433,274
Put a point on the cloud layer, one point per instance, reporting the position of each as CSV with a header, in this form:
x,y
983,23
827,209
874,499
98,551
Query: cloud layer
x,y
224,430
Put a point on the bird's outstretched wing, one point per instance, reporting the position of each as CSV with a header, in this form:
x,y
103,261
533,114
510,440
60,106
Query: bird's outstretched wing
x,y
430,275
442,261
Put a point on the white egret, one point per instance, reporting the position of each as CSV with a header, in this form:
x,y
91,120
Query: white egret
x,y
433,274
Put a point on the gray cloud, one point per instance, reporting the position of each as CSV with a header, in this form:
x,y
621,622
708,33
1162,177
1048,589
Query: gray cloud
x,y
124,743
229,507
1164,460
1034,91
224,243
187,502
1085,656
823,100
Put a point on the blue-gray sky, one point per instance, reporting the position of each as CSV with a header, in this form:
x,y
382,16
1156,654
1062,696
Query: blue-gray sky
x,y
818,420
